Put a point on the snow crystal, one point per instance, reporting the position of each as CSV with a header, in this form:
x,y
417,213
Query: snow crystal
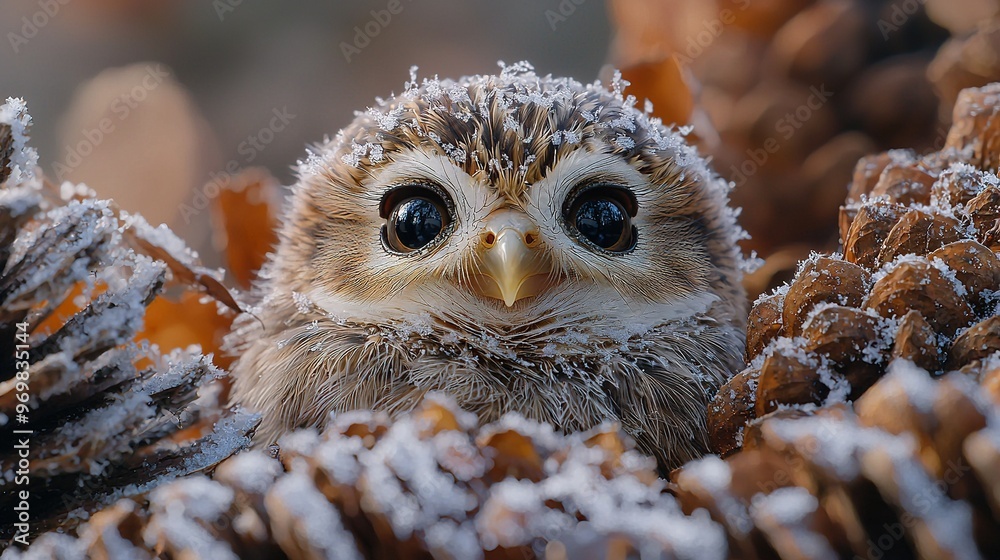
x,y
23,159
389,120
303,304
751,263
624,142
358,151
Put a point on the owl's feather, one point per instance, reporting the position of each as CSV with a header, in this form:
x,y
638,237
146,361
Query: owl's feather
x,y
644,337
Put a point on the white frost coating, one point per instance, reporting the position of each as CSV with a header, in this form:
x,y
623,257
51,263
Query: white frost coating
x,y
228,436
202,498
833,443
921,390
317,520
784,512
949,521
401,457
179,373
850,450
24,159
453,540
162,237
709,472
516,511
250,471
18,201
340,457
96,233
964,175
457,453
176,510
543,436
788,506
107,429
48,546
950,276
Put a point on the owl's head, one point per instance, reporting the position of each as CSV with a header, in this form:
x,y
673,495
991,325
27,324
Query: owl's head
x,y
511,199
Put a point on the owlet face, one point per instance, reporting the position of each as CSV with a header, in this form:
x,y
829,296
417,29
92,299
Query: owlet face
x,y
523,243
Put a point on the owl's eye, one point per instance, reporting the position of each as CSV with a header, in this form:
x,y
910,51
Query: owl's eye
x,y
416,216
601,216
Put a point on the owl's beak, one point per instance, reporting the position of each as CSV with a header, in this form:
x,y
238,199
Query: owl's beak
x,y
513,262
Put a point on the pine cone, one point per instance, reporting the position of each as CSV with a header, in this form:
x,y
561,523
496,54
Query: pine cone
x,y
911,472
919,279
91,413
427,485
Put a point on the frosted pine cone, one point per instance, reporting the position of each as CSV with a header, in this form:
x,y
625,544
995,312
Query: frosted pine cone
x,y
911,472
429,484
92,415
905,324
919,279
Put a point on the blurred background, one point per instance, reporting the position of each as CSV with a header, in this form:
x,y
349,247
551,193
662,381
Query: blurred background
x,y
157,104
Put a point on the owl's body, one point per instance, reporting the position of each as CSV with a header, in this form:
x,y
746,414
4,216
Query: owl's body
x,y
521,243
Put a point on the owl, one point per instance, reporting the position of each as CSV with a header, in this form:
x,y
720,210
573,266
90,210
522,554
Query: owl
x,y
522,243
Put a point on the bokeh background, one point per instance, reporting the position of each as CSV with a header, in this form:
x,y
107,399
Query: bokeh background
x,y
149,102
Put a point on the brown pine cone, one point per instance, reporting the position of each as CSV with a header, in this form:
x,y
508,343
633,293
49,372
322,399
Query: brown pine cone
x,y
910,472
919,279
91,413
430,484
